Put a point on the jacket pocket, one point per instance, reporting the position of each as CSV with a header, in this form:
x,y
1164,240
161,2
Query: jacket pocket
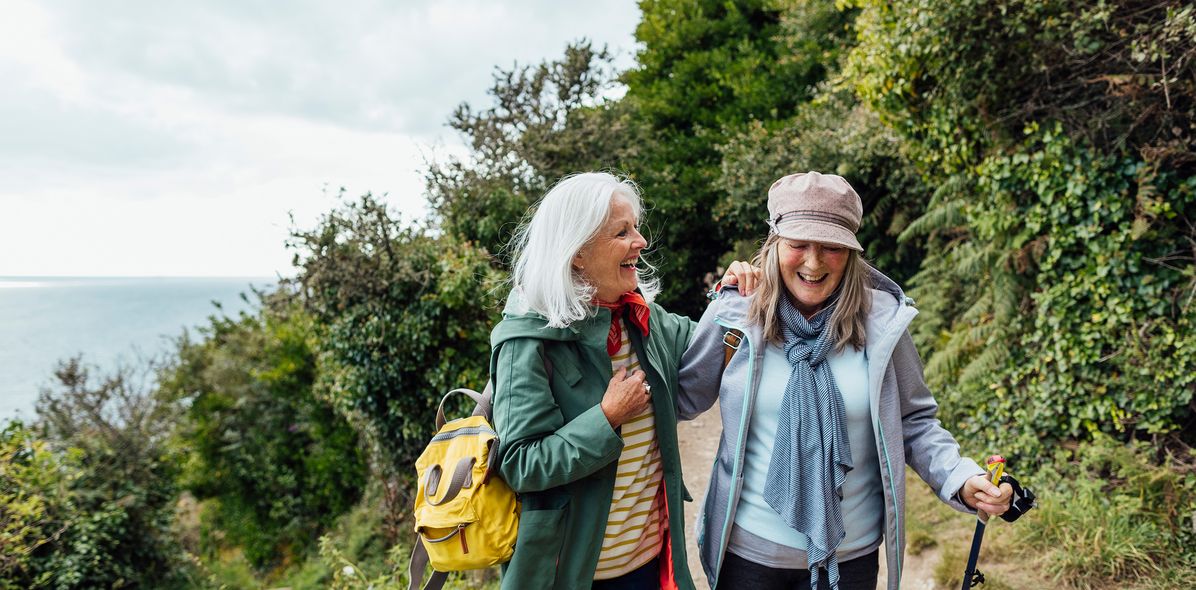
x,y
539,544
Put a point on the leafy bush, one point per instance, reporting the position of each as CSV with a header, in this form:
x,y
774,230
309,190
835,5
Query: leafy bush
x,y
1074,315
35,484
1059,265
276,463
963,76
113,526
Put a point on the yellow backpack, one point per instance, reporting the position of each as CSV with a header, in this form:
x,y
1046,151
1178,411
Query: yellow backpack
x,y
466,516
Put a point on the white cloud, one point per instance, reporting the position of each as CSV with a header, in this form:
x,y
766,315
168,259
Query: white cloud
x,y
172,138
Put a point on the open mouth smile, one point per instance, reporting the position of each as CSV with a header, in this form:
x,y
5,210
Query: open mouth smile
x,y
812,279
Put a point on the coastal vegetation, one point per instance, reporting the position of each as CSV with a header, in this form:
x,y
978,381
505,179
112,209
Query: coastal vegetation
x,y
1028,173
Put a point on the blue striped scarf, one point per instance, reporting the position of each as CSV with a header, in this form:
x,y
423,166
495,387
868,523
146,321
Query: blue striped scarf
x,y
811,457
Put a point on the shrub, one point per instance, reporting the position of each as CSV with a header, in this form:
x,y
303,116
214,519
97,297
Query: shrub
x,y
35,488
114,526
405,316
276,463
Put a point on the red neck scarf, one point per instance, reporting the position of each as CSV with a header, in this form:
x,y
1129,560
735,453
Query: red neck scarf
x,y
639,317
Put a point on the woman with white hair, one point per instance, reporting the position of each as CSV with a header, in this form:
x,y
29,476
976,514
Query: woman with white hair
x,y
585,374
823,405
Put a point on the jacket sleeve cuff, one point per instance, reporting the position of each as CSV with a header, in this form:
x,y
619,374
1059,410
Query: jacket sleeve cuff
x,y
953,487
594,429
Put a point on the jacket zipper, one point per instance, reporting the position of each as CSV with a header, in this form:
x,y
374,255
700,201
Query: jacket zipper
x,y
467,431
740,444
884,447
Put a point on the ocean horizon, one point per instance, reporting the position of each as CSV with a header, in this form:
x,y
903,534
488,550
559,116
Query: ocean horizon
x,y
108,321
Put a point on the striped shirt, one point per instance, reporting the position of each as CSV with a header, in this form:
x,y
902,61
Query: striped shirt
x,y
633,533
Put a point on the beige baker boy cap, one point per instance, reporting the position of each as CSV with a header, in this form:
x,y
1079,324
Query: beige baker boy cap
x,y
815,207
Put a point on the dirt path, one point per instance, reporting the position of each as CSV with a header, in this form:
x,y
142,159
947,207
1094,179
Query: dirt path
x,y
698,440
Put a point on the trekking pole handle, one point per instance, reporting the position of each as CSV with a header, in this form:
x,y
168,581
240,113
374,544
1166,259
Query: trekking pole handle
x,y
994,469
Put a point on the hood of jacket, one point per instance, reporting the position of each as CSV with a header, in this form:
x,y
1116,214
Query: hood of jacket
x,y
520,322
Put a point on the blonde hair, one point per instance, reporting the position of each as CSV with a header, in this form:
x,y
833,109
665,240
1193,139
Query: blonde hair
x,y
565,220
848,319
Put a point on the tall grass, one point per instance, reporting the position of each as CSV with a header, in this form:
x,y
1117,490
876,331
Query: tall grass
x,y
1111,515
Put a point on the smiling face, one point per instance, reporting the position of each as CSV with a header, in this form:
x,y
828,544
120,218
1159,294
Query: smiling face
x,y
609,260
811,272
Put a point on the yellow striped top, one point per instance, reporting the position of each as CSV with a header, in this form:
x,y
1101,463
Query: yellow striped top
x,y
633,534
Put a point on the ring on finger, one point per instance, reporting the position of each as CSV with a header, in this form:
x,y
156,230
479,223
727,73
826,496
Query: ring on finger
x,y
647,388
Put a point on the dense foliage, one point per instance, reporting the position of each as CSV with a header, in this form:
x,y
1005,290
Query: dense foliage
x,y
88,492
35,496
277,463
1058,282
707,71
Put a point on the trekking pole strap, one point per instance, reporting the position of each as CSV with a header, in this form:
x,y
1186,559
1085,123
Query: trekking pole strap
x,y
1023,499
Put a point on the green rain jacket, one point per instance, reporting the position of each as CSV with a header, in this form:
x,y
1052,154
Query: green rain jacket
x,y
559,453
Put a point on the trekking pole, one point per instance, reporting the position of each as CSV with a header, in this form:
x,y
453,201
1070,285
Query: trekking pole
x,y
972,576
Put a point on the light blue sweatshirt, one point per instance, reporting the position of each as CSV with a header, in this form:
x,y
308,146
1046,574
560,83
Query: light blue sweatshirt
x,y
759,534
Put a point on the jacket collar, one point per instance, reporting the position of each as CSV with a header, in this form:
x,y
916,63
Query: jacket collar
x,y
519,322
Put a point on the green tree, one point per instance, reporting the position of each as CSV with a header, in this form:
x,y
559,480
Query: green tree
x,y
546,122
276,463
707,71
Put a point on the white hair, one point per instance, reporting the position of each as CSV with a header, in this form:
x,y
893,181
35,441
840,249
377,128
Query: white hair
x,y
565,220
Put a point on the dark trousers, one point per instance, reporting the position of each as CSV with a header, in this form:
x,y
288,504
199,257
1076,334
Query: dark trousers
x,y
855,574
646,577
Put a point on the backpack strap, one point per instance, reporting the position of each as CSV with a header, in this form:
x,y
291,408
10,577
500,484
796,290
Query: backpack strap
x,y
416,567
485,405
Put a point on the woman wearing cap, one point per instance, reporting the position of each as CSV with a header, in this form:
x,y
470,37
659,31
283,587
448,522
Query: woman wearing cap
x,y
593,456
823,405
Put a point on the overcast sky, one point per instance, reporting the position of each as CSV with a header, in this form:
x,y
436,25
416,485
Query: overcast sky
x,y
172,138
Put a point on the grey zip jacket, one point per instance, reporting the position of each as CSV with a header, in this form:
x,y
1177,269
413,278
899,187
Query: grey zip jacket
x,y
903,416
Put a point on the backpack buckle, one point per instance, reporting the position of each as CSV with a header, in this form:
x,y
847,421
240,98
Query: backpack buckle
x,y
732,340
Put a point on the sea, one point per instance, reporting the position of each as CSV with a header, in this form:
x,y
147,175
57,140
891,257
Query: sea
x,y
109,321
